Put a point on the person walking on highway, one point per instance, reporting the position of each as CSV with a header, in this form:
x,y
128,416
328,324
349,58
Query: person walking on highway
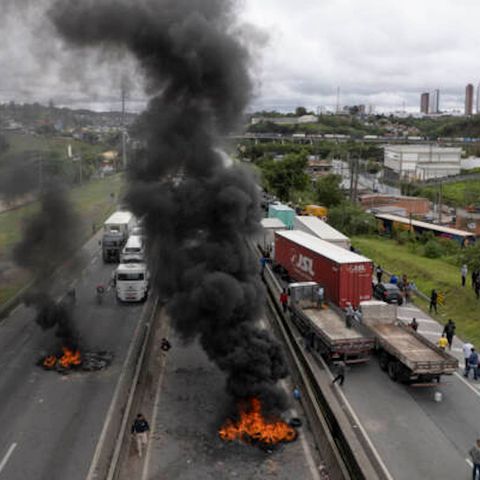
x,y
320,297
464,271
433,301
379,273
284,300
349,315
263,262
140,429
472,365
413,324
340,368
475,454
467,350
449,331
443,342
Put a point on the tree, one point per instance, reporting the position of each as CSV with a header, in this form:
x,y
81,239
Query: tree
x,y
286,175
300,111
328,191
350,219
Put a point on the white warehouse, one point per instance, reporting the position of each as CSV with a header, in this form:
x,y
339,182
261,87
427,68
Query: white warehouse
x,y
421,162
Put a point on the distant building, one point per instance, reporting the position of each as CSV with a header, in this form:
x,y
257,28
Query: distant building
x,y
421,162
285,120
317,167
424,102
435,102
478,98
469,99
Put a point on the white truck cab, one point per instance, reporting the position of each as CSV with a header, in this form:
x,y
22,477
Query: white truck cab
x,y
131,282
133,251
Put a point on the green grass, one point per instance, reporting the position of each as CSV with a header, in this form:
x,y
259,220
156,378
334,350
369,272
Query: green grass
x,y
40,143
458,194
460,305
93,204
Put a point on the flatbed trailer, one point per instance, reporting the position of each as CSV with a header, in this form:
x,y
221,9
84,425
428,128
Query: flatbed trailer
x,y
406,355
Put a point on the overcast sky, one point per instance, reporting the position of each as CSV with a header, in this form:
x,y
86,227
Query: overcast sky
x,y
379,52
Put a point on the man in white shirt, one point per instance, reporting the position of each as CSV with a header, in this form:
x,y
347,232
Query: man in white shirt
x,y
467,350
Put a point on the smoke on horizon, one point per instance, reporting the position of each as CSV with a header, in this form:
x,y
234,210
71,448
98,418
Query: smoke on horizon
x,y
197,211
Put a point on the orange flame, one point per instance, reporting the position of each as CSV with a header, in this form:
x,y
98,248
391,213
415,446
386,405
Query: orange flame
x,y
70,358
50,361
253,427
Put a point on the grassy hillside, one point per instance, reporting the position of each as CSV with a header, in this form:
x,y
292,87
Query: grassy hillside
x,y
460,303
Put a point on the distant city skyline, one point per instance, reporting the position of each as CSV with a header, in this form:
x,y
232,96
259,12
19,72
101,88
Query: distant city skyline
x,y
300,56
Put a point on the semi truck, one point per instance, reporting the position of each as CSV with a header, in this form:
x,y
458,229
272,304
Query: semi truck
x,y
404,354
116,230
345,275
324,327
131,282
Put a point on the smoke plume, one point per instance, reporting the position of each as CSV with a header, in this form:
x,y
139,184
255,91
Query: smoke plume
x,y
197,210
50,236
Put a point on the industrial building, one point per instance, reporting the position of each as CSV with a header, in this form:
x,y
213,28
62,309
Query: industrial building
x,y
421,162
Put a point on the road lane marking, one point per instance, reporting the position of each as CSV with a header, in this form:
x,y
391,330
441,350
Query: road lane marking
x,y
7,456
92,474
156,402
470,463
469,385
374,451
303,441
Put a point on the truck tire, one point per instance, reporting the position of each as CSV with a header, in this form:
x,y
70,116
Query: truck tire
x,y
383,361
393,370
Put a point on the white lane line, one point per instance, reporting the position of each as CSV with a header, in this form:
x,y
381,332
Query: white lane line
x,y
94,260
429,332
306,447
469,385
470,463
91,475
384,468
411,308
419,320
146,465
7,456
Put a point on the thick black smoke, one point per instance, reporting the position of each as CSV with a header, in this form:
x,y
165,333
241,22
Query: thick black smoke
x,y
49,238
197,210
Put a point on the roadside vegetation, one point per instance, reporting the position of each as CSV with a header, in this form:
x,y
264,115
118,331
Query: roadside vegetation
x,y
441,272
93,201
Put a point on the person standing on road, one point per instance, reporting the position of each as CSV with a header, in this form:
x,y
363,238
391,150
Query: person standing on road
x,y
449,331
320,297
472,365
284,300
140,429
349,315
379,273
464,271
341,367
475,454
433,301
467,350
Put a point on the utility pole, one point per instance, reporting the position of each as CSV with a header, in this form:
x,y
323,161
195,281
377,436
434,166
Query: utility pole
x,y
440,201
124,133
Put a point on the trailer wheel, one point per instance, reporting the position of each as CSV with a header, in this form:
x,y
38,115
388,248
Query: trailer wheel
x,y
384,359
393,370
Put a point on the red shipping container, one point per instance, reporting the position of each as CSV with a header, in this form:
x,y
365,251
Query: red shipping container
x,y
345,275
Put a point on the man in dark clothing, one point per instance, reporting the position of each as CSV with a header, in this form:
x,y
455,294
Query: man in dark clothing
x,y
165,345
379,273
340,373
449,331
433,301
472,365
140,428
475,454
414,324
474,277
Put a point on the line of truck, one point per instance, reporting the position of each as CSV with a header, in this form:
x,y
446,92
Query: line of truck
x,y
122,243
307,265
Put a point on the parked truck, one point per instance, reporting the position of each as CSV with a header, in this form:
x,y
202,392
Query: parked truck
x,y
324,327
346,276
404,354
116,230
131,282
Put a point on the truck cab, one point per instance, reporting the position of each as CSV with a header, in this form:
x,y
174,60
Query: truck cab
x,y
112,244
133,251
131,282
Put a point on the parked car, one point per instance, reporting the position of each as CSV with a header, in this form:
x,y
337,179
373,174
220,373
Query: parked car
x,y
388,292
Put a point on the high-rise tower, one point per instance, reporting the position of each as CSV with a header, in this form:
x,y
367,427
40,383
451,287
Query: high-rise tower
x,y
424,102
469,99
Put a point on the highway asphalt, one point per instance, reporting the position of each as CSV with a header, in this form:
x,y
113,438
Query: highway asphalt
x,y
189,406
50,423
416,436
